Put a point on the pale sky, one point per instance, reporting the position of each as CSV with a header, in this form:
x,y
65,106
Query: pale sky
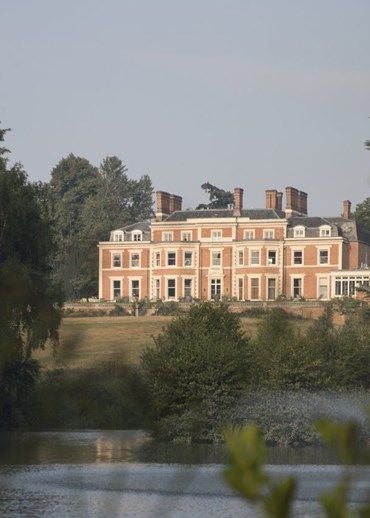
x,y
258,94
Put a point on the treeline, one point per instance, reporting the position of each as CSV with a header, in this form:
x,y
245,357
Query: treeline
x,y
85,203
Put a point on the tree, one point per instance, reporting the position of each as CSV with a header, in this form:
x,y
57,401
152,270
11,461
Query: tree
x,y
362,213
195,373
218,198
29,302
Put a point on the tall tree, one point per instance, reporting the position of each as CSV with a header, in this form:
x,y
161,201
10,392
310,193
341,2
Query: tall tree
x,y
362,212
29,302
218,198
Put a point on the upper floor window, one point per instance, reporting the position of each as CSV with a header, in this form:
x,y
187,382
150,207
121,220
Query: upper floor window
x,y
271,257
171,258
137,235
167,236
255,257
186,236
118,235
325,231
324,256
135,260
240,257
299,231
158,258
216,258
248,234
268,234
116,260
297,257
216,235
188,258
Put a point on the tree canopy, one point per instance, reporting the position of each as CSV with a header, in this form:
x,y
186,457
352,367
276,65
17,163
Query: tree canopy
x,y
29,303
218,198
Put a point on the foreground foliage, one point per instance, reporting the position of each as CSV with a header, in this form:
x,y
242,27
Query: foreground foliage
x,y
196,372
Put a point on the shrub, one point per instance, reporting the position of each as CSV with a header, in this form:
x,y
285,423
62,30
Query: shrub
x,y
170,308
195,372
118,311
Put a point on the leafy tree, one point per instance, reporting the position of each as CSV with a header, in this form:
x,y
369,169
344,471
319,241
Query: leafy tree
x,y
195,372
29,303
218,198
362,213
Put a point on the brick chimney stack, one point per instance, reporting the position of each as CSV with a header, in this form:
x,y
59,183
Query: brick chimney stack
x,y
347,209
162,205
302,202
175,203
271,198
238,201
279,204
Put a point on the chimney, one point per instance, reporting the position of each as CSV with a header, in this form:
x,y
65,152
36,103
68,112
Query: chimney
x,y
279,202
163,205
271,197
175,203
238,201
347,209
292,199
302,202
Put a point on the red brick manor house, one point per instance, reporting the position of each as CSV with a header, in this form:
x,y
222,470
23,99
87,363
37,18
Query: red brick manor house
x,y
247,254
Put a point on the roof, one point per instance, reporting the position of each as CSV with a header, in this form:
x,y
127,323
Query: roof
x,y
184,215
347,228
144,226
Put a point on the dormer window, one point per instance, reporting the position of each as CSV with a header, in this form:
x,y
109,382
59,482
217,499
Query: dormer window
x,y
325,231
117,236
299,231
137,235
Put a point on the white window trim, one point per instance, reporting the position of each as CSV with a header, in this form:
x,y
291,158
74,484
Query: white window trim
x,y
250,277
113,253
297,231
171,265
171,278
253,232
155,265
237,279
259,250
300,249
319,249
133,278
238,251
268,230
324,228
168,232
318,277
212,250
187,277
135,252
136,233
112,279
296,276
186,232
276,257
276,277
215,277
192,259
213,237
118,233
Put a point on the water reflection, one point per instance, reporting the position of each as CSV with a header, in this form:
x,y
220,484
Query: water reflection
x,y
130,446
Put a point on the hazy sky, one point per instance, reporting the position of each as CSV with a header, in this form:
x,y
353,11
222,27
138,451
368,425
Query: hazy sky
x,y
257,94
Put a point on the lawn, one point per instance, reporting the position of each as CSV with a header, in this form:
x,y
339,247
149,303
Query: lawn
x,y
88,341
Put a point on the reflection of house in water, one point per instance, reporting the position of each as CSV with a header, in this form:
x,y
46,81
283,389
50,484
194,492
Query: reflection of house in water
x,y
119,446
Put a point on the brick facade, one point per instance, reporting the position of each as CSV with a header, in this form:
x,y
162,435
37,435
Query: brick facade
x,y
246,254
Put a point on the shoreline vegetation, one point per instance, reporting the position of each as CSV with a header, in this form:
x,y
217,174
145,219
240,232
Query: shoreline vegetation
x,y
294,371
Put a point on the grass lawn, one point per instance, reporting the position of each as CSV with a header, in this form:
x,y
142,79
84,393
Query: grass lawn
x,y
88,341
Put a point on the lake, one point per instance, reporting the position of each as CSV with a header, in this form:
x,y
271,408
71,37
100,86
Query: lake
x,y
126,473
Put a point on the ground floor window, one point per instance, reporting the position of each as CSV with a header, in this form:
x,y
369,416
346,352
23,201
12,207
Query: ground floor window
x,y
271,289
187,288
171,288
347,284
215,289
157,289
255,288
240,288
297,287
116,289
135,289
323,292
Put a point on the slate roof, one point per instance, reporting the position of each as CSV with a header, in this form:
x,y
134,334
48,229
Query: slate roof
x,y
184,215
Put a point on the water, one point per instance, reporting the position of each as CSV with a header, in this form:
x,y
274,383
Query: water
x,y
125,473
